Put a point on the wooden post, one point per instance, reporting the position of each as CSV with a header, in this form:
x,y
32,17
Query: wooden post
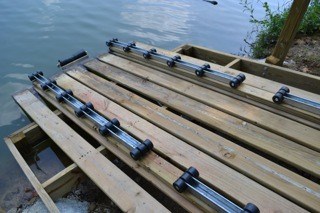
x,y
289,31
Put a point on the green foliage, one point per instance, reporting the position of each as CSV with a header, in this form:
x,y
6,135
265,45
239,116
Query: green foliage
x,y
268,29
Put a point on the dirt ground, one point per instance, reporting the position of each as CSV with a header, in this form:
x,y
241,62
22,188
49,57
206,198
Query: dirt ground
x,y
304,55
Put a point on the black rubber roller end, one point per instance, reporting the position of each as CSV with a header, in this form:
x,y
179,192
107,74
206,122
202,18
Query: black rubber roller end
x,y
89,105
78,112
141,149
251,208
180,185
279,96
115,122
44,86
170,63
59,97
146,55
31,77
193,172
199,72
236,81
109,43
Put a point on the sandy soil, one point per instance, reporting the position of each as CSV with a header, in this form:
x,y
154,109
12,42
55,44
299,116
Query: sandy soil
x,y
304,55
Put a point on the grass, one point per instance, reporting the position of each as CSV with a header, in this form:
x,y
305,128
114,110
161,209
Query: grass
x,y
267,30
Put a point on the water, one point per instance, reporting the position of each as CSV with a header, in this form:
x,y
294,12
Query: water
x,y
35,34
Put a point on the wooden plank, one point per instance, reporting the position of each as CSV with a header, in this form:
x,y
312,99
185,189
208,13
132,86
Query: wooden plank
x,y
309,121
32,178
112,181
63,182
277,178
289,31
272,72
235,64
255,88
153,171
213,172
285,127
277,146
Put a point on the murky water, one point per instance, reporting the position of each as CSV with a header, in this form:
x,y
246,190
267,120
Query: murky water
x,y
35,34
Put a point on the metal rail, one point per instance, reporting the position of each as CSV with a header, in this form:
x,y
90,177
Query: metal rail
x,y
283,96
176,61
110,127
189,181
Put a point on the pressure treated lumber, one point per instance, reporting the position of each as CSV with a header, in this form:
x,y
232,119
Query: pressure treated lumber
x,y
282,126
284,182
284,149
255,88
128,196
48,202
289,31
255,81
153,170
213,172
282,75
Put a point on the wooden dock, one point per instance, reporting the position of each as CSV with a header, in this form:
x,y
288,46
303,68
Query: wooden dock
x,y
244,146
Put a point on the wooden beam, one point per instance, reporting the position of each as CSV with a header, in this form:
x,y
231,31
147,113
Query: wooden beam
x,y
181,154
110,179
246,132
255,88
289,31
48,202
243,160
255,115
158,172
282,75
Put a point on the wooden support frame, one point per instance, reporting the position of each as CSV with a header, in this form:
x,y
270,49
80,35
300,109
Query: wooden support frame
x,y
289,31
275,73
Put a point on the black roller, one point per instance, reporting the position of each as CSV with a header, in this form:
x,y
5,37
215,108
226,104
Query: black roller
x,y
59,97
236,81
146,55
69,91
44,86
103,130
170,63
251,208
141,149
84,107
199,72
78,112
109,43
180,185
89,105
193,172
31,77
279,96
76,56
115,122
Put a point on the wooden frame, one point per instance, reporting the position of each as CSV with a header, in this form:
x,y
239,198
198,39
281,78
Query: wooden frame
x,y
272,72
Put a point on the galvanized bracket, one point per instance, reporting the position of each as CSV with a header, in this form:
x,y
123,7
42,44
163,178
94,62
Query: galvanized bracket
x,y
283,96
189,181
106,127
176,61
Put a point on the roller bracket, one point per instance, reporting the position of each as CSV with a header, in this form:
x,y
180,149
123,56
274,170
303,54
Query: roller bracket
x,y
105,126
189,181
